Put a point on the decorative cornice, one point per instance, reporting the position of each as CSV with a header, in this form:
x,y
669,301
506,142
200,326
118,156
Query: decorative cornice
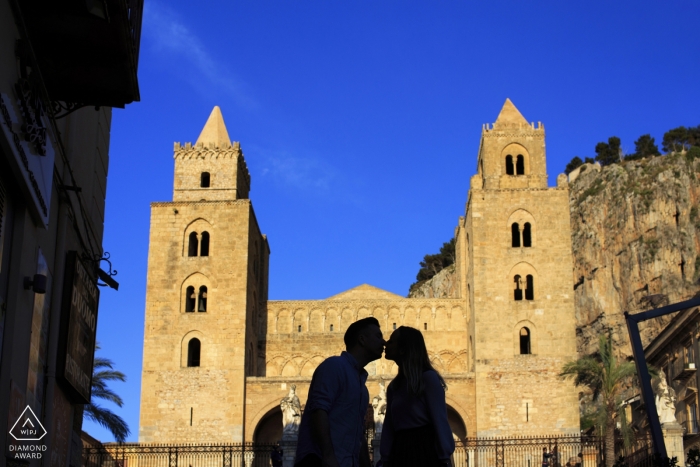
x,y
501,190
198,203
211,150
325,303
511,134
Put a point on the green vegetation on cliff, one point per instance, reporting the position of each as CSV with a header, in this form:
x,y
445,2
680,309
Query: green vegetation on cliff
x,y
677,140
433,264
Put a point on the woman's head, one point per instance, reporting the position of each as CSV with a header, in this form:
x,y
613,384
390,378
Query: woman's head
x,y
406,347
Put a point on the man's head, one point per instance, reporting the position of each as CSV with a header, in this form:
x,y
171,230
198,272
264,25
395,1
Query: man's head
x,y
366,337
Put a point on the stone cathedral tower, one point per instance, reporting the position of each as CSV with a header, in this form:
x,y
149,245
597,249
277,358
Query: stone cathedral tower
x,y
219,356
207,275
515,270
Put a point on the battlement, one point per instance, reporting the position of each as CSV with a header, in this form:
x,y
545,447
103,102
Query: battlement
x,y
212,168
202,146
211,151
502,126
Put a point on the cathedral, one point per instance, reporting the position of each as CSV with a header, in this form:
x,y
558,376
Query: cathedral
x,y
219,356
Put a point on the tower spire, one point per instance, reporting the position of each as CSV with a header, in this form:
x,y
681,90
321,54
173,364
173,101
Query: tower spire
x,y
214,130
509,116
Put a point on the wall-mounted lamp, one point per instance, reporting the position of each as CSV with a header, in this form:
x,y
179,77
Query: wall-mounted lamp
x,y
37,284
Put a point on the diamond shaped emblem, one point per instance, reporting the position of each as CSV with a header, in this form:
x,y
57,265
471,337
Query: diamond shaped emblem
x,y
28,427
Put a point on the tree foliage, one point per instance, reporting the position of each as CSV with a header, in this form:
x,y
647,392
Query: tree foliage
x,y
645,146
432,264
102,373
676,140
608,153
606,378
574,164
679,139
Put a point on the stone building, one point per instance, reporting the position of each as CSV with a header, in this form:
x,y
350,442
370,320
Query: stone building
x,y
62,69
219,356
674,353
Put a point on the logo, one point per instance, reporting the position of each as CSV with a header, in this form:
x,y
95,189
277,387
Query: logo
x,y
28,427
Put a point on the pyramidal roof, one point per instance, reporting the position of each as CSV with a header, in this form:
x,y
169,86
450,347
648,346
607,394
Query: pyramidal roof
x,y
364,292
214,130
510,116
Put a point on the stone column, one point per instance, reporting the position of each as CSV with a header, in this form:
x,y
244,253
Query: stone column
x,y
673,439
289,451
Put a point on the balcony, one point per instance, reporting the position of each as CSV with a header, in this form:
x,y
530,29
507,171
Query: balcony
x,y
87,51
684,371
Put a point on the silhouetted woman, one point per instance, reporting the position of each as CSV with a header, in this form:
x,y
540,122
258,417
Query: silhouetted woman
x,y
416,431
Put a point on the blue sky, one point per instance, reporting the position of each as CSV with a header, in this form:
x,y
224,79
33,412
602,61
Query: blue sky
x,y
360,123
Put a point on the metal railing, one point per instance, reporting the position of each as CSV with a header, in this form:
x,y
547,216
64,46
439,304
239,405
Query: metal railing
x,y
540,451
178,455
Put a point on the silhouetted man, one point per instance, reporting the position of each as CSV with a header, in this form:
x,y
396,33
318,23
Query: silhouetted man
x,y
332,431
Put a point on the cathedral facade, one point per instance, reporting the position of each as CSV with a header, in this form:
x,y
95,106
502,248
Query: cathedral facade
x,y
219,356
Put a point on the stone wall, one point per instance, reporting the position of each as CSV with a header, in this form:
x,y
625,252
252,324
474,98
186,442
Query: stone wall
x,y
263,395
504,267
173,393
294,352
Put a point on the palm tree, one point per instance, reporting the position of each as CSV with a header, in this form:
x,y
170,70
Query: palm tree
x,y
606,377
102,373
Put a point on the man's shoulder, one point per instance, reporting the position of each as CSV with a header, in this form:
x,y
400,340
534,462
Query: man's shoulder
x,y
335,364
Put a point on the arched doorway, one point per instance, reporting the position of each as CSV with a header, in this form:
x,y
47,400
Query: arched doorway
x,y
459,432
459,429
269,429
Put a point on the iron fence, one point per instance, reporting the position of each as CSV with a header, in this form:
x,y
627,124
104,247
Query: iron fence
x,y
549,451
178,455
541,451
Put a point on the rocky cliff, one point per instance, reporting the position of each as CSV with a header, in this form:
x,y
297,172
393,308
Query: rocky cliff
x,y
441,285
636,243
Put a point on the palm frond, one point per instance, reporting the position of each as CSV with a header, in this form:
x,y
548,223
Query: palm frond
x,y
101,362
109,375
606,377
108,395
103,372
108,419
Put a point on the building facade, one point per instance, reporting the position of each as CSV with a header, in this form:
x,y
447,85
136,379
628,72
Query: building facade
x,y
219,356
62,68
674,353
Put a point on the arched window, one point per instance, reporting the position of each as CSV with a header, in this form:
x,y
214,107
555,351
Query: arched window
x,y
190,299
194,350
193,245
509,165
518,292
527,235
331,328
520,165
204,180
529,288
204,247
202,299
515,234
525,341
